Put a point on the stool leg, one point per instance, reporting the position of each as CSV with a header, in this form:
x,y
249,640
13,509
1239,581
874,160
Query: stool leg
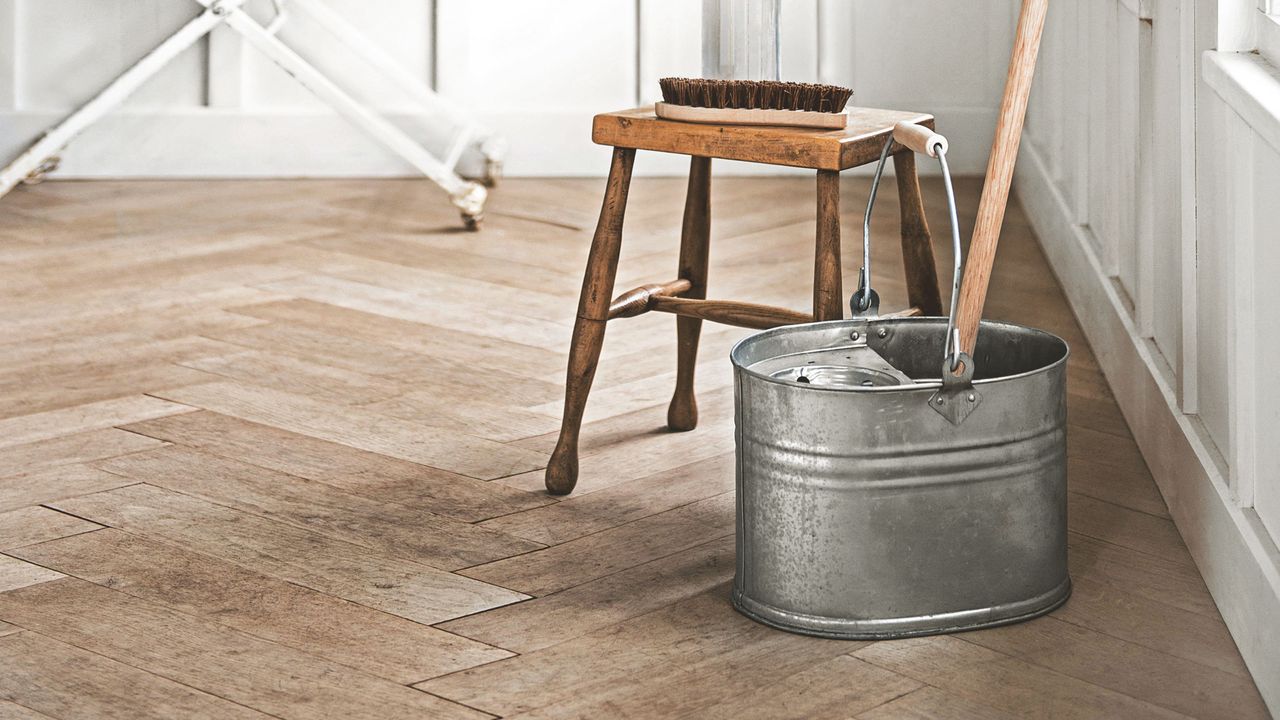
x,y
917,250
695,240
828,303
588,328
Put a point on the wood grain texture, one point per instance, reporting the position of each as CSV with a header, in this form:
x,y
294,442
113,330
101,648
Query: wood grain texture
x,y
35,524
62,681
999,179
695,255
917,248
401,587
409,531
204,655
828,292
858,143
258,604
339,465
589,326
366,400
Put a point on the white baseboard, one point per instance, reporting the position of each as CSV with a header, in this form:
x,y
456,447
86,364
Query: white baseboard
x,y
1239,561
224,143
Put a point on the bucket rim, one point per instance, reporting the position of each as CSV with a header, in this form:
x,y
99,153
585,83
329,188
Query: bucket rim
x,y
736,352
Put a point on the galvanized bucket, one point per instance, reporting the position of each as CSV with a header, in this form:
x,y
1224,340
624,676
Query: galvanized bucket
x,y
889,485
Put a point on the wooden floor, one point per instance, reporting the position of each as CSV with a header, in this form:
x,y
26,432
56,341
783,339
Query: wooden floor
x,y
274,449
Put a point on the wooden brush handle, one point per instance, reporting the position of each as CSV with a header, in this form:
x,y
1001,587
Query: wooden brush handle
x,y
919,138
1004,153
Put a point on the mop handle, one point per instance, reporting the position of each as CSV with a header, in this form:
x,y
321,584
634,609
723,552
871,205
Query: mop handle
x,y
1004,153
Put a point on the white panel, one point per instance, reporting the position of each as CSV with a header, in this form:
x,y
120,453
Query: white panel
x,y
1218,176
930,53
9,39
1166,145
1101,59
84,44
1125,151
1263,327
517,55
670,43
402,28
799,31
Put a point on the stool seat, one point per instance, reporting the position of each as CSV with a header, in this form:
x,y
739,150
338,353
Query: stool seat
x,y
859,143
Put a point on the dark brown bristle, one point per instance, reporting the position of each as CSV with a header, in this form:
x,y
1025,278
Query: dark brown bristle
x,y
754,94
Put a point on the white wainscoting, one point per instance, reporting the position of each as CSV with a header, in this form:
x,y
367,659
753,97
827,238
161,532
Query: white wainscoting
x,y
1156,196
535,70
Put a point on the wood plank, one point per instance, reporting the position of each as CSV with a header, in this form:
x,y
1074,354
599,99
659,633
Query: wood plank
x,y
401,587
930,703
1144,621
587,558
1007,684
63,681
480,415
295,375
15,574
288,614
645,667
457,346
65,481
1137,573
342,466
211,657
409,531
594,512
30,525
93,416
1186,686
473,318
1128,528
14,711
567,614
840,687
464,454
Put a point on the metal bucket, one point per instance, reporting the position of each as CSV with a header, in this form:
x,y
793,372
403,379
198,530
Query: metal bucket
x,y
864,512
889,485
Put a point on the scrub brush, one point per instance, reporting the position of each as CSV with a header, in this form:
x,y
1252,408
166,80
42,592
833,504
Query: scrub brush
x,y
753,102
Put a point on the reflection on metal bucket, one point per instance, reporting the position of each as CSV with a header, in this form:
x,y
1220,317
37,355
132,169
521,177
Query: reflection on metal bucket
x,y
870,511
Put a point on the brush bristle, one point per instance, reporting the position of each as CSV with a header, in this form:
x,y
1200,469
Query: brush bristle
x,y
754,94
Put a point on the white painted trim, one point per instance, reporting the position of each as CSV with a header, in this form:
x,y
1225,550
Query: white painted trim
x,y
1188,68
1236,556
10,71
1250,86
1269,37
225,68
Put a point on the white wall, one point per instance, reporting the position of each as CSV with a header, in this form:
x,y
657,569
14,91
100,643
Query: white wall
x,y
536,70
1157,198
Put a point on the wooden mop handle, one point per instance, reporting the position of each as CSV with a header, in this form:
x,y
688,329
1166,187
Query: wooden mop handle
x,y
1004,153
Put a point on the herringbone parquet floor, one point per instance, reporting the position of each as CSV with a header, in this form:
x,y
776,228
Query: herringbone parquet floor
x,y
274,449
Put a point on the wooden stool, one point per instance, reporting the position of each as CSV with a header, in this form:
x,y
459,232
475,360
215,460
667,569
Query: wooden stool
x,y
827,151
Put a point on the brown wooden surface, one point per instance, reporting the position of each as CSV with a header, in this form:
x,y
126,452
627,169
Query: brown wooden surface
x,y
859,143
279,528
923,291
695,248
730,312
999,178
589,326
828,292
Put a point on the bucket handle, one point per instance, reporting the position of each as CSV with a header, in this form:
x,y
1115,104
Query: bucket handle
x,y
866,302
